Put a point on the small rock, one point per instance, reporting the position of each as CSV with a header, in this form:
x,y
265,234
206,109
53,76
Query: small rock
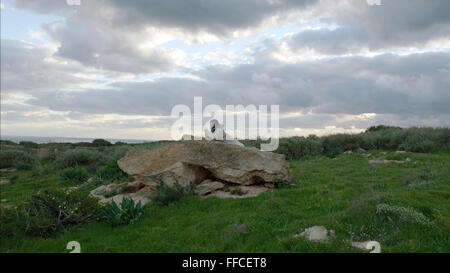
x,y
360,245
238,228
3,181
8,170
316,234
208,186
400,152
4,200
348,152
269,185
361,150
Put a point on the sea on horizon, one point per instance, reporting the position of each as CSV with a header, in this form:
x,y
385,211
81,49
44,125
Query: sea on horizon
x,y
42,139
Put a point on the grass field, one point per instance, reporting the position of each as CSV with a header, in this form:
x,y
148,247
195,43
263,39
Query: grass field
x,y
341,194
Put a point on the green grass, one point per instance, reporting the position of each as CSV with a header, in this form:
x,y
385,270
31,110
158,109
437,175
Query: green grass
x,y
341,194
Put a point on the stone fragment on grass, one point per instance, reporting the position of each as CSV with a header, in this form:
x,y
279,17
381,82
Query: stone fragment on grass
x,y
238,228
360,245
316,234
3,181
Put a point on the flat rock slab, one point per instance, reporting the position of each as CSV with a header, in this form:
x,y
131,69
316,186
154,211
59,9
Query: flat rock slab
x,y
195,161
208,186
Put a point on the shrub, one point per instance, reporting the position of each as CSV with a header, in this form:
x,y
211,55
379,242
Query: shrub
x,y
119,143
111,172
403,214
101,142
77,157
165,195
12,158
7,142
116,152
380,128
24,167
48,212
75,174
29,144
127,213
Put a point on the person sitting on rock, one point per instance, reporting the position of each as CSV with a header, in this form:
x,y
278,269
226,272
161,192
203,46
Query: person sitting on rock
x,y
217,132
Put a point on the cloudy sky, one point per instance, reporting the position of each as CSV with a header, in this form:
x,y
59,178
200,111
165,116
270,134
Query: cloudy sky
x,y
115,69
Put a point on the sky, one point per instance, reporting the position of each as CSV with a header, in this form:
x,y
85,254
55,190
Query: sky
x,y
115,69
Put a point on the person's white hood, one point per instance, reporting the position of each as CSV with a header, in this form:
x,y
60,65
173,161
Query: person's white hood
x,y
217,132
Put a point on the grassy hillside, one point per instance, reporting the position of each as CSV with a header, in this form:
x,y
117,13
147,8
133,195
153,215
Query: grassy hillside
x,y
341,193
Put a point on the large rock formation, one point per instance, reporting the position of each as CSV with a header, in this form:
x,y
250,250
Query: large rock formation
x,y
219,169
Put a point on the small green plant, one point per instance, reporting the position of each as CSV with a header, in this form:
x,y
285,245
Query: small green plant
x,y
77,174
165,195
127,213
238,192
281,184
47,212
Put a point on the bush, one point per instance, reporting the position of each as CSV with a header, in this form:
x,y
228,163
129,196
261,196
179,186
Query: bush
x,y
165,195
24,167
111,172
101,142
128,213
13,158
380,128
407,215
77,157
29,144
7,142
52,211
116,152
425,140
75,174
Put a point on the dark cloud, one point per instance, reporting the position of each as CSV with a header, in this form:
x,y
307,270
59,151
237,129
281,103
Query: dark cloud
x,y
395,23
26,67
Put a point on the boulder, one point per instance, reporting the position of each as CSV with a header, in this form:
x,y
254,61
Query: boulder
x,y
195,161
214,168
